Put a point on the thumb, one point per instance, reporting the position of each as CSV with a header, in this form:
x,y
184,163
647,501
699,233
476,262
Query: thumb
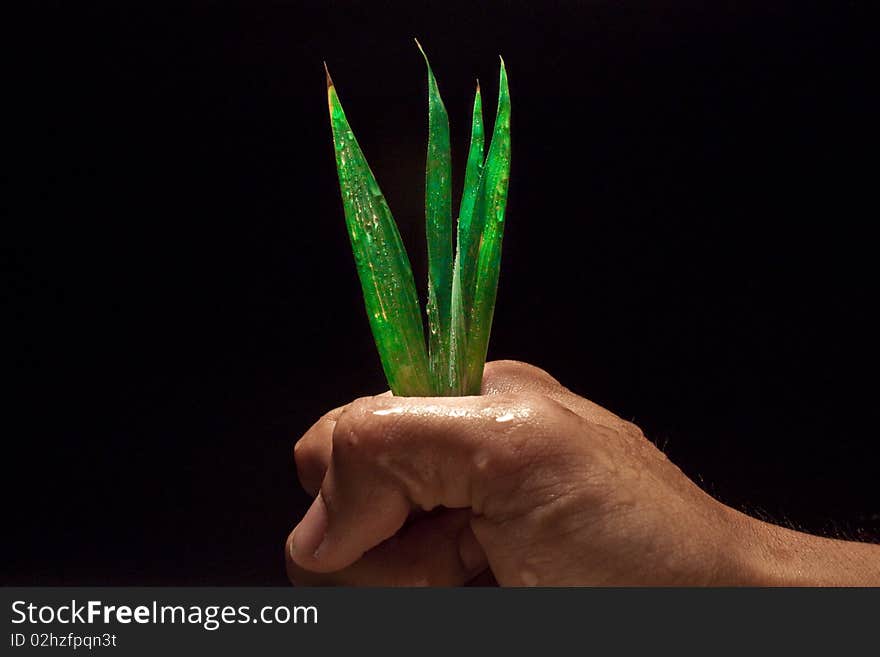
x,y
432,549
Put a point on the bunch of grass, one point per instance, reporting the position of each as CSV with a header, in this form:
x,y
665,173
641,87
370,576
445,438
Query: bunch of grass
x,y
461,288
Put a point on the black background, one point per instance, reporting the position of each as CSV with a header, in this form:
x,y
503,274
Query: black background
x,y
687,244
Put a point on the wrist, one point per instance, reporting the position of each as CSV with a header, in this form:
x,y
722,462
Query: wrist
x,y
763,554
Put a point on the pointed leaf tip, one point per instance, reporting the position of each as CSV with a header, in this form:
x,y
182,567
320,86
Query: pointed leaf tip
x,y
421,50
329,79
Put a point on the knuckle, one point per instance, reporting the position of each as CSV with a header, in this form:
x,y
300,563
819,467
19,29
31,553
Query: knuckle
x,y
357,429
521,420
552,457
539,412
515,375
534,464
304,454
539,403
319,431
546,435
301,453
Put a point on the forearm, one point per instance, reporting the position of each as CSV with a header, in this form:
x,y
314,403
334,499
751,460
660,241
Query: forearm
x,y
769,555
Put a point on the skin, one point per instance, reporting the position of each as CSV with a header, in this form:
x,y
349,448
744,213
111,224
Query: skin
x,y
528,485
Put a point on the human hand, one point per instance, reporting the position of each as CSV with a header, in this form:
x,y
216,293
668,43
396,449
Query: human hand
x,y
528,483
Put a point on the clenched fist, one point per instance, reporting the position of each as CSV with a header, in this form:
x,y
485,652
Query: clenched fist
x,y
527,484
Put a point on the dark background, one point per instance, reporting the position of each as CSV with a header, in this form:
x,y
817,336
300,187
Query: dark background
x,y
687,244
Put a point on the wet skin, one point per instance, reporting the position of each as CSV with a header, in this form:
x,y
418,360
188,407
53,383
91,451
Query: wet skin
x,y
527,484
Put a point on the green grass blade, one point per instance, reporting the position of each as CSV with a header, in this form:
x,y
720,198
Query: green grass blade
x,y
457,336
490,206
474,166
383,267
438,228
465,267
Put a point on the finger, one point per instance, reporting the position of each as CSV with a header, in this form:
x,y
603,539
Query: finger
x,y
311,453
436,550
500,376
506,376
390,454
